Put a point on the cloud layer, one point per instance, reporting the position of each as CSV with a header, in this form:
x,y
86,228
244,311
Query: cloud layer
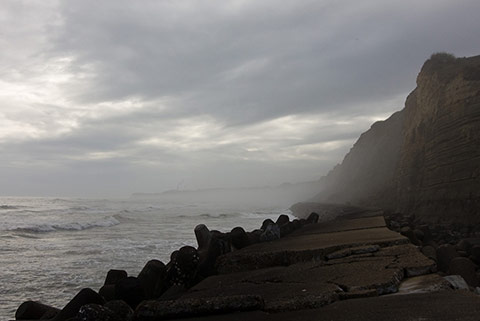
x,y
107,98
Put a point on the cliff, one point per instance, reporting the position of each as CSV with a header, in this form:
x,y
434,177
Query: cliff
x,y
425,159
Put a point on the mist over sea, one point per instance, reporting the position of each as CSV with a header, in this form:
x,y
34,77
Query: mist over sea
x,y
50,248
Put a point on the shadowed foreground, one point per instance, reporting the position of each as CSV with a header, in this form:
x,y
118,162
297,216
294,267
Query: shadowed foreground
x,y
350,268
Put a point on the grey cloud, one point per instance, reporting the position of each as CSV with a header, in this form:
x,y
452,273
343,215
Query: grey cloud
x,y
210,83
317,55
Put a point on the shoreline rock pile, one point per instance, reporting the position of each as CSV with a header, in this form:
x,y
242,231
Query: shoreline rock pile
x,y
301,269
120,295
454,247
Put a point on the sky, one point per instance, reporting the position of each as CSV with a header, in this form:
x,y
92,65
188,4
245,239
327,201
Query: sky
x,y
107,98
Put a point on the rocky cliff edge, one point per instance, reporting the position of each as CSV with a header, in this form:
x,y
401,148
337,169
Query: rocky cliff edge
x,y
425,159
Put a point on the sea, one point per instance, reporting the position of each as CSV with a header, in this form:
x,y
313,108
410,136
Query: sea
x,y
50,248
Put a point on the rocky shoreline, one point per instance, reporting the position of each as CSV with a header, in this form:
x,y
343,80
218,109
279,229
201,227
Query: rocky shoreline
x,y
350,263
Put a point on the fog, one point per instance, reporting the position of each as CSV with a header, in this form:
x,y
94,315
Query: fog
x,y
105,99
282,196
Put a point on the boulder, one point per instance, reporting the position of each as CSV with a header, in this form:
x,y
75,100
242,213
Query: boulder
x,y
266,223
183,267
312,218
120,309
445,253
152,278
95,312
419,234
410,234
272,232
107,292
85,296
427,234
254,236
464,246
282,219
475,254
203,236
465,268
286,229
174,292
223,240
457,282
114,275
239,238
130,290
430,252
208,256
296,224
32,310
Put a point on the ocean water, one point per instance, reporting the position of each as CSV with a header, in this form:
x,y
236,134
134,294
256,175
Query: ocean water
x,y
50,248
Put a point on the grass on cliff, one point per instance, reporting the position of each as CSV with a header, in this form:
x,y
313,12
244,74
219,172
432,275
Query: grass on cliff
x,y
442,57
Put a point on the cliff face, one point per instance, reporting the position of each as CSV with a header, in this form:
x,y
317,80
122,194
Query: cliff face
x,y
425,159
367,172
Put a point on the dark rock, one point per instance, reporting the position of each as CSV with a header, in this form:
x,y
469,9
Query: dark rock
x,y
296,224
312,218
115,275
223,239
211,248
95,312
266,223
85,296
152,278
107,292
465,268
445,253
120,309
207,251
32,310
408,232
203,236
419,234
50,314
430,252
282,219
254,236
474,240
239,238
183,268
464,246
427,234
475,254
457,282
393,225
174,292
286,229
272,232
173,256
130,290
162,310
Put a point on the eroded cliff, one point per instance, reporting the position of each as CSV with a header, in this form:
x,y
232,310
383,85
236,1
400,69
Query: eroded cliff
x,y
425,159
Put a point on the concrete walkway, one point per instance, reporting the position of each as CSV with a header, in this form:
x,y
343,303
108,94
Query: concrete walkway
x,y
339,270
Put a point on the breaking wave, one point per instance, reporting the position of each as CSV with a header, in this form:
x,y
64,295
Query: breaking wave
x,y
71,226
8,207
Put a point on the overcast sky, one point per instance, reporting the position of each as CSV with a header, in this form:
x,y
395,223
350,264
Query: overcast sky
x,y
106,98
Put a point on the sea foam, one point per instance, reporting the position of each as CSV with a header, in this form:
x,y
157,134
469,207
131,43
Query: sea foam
x,y
70,226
